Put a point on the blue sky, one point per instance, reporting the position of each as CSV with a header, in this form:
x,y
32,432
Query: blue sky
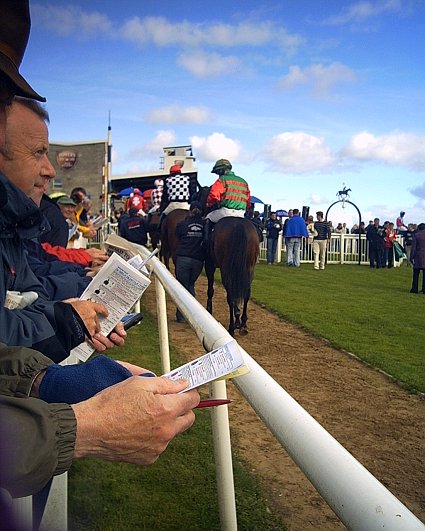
x,y
301,96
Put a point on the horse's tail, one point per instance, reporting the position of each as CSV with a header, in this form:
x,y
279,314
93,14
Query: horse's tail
x,y
237,281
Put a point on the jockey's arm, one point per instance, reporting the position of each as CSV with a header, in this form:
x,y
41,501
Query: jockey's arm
x,y
216,193
248,199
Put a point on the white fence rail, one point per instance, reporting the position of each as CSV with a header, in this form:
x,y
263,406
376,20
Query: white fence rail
x,y
342,249
359,500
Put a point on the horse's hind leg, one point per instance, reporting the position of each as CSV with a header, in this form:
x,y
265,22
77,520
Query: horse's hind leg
x,y
209,271
243,330
237,314
232,326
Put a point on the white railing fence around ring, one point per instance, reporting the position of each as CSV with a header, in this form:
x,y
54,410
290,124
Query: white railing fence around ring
x,y
358,498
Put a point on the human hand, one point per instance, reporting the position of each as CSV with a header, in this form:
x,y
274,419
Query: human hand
x,y
135,369
89,312
91,232
93,270
115,338
97,254
134,420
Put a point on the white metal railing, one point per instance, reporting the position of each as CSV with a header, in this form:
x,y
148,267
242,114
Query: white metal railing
x,y
358,498
342,249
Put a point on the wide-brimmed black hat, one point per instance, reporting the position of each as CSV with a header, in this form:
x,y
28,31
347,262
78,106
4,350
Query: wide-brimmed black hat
x,y
15,26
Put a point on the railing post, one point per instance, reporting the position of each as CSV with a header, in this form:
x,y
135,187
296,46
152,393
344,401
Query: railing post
x,y
223,459
161,306
279,248
341,248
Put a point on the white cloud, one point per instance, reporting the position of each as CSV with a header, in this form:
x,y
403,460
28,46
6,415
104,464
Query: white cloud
x,y
362,11
174,114
203,65
162,139
215,146
298,152
163,32
316,199
71,20
320,78
398,148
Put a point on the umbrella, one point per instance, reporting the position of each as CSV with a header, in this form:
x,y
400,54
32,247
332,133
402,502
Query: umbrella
x,y
126,191
282,213
256,200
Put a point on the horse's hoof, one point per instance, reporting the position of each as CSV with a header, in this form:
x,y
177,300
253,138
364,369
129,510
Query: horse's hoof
x,y
243,332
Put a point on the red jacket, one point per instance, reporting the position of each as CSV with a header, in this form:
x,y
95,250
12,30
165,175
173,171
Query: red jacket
x,y
78,256
389,238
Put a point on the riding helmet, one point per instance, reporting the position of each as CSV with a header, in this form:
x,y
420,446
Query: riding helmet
x,y
221,165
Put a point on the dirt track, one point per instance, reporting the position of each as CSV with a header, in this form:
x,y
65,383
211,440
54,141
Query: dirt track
x,y
382,425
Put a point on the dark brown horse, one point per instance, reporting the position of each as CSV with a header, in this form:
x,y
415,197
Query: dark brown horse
x,y
168,235
234,248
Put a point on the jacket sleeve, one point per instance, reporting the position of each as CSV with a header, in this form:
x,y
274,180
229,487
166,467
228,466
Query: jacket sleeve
x,y
56,267
19,367
79,256
216,193
66,286
248,197
36,443
37,439
52,328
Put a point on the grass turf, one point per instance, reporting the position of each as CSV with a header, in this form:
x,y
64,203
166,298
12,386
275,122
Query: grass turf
x,y
178,491
369,312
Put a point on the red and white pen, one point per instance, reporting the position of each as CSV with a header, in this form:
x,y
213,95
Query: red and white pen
x,y
212,402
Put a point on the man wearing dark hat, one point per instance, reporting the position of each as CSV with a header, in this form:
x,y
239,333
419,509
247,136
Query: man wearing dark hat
x,y
190,250
39,439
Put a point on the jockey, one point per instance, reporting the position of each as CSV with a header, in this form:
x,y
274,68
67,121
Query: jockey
x,y
177,192
136,201
229,193
156,195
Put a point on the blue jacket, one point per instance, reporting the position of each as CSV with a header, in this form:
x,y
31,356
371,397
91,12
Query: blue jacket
x,y
296,228
51,327
61,280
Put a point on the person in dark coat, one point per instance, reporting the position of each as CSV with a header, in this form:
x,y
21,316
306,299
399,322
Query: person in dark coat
x,y
190,250
133,227
375,237
417,258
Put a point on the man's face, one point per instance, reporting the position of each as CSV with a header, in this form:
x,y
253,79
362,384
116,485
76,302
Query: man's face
x,y
67,210
27,141
290,213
